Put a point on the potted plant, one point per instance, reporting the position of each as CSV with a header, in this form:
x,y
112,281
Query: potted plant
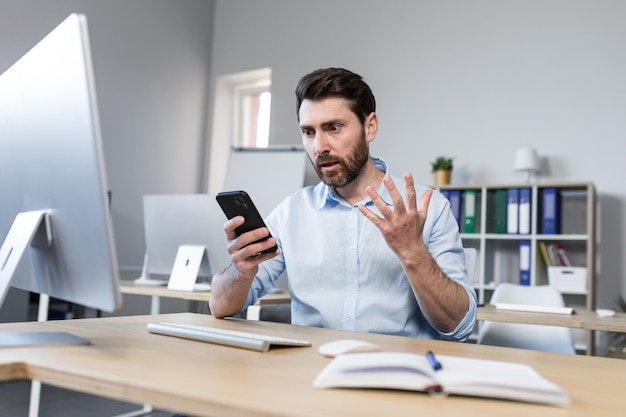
x,y
442,168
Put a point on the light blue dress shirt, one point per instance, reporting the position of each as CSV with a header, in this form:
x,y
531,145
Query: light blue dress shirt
x,y
343,275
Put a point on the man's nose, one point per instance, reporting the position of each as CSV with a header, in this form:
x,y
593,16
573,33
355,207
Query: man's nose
x,y
321,143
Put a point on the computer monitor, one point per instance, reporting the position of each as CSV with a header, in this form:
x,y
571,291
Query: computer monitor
x,y
173,220
55,224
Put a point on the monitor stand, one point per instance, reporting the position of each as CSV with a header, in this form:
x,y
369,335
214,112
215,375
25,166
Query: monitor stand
x,y
30,228
191,263
40,339
145,279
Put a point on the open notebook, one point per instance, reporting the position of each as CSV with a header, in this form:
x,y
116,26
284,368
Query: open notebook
x,y
456,375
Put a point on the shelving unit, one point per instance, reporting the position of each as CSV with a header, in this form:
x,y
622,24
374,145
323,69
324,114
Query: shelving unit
x,y
498,258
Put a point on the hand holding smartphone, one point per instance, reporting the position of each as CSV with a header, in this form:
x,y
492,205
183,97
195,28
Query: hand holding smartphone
x,y
239,203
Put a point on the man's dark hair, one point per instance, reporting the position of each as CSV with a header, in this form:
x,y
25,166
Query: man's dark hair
x,y
337,82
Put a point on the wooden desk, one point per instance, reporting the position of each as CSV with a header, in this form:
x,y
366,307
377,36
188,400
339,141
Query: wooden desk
x,y
127,287
581,319
158,291
591,321
127,363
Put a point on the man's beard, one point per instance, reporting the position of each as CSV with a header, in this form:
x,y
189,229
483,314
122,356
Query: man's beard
x,y
349,168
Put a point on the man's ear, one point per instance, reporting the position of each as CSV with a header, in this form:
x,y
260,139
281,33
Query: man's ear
x,y
371,126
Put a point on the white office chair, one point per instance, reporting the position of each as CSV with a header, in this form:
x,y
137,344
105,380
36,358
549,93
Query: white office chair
x,y
527,336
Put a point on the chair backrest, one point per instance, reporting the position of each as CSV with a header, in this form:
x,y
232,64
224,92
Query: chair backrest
x,y
470,263
527,336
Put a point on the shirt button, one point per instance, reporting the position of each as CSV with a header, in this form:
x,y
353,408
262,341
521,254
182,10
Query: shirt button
x,y
349,320
352,286
351,247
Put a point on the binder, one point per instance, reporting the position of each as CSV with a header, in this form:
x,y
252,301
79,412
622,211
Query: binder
x,y
455,204
500,210
469,211
524,211
512,211
544,253
524,262
446,194
551,211
553,254
563,258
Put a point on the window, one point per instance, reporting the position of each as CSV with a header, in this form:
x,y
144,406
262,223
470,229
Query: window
x,y
253,116
241,118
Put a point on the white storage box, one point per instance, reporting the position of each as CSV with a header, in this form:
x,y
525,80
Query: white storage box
x,y
568,279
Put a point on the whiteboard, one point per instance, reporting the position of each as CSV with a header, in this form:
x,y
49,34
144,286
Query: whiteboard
x,y
268,175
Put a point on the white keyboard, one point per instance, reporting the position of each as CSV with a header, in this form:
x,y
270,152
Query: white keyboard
x,y
534,308
235,338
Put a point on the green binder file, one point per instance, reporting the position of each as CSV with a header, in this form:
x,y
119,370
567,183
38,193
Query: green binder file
x,y
500,210
469,211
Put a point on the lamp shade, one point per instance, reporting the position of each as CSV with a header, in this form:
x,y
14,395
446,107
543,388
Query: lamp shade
x,y
526,159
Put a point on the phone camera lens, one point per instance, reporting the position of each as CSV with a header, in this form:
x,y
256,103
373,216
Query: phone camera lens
x,y
241,202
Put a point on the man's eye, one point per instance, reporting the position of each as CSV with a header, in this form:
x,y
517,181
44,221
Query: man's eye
x,y
335,128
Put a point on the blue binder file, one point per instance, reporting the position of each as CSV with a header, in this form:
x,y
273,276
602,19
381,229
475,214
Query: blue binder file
x,y
524,211
551,211
446,193
524,262
455,204
512,211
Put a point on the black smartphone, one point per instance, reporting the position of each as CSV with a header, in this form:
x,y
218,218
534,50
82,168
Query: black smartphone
x,y
239,203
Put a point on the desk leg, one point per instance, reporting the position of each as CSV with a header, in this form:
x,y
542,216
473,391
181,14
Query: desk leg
x,y
253,312
35,386
155,304
35,395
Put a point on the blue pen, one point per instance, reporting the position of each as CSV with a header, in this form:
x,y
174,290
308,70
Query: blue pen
x,y
433,360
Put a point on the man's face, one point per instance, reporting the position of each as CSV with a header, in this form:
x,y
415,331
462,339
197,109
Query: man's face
x,y
334,139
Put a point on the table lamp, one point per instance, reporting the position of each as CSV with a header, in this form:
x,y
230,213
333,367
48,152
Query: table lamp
x,y
527,161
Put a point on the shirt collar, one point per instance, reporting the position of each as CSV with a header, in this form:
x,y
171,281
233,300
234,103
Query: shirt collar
x,y
330,198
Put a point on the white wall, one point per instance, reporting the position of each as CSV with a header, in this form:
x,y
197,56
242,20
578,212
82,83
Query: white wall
x,y
151,61
470,79
473,79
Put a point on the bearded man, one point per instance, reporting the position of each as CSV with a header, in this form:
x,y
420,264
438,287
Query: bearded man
x,y
360,252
